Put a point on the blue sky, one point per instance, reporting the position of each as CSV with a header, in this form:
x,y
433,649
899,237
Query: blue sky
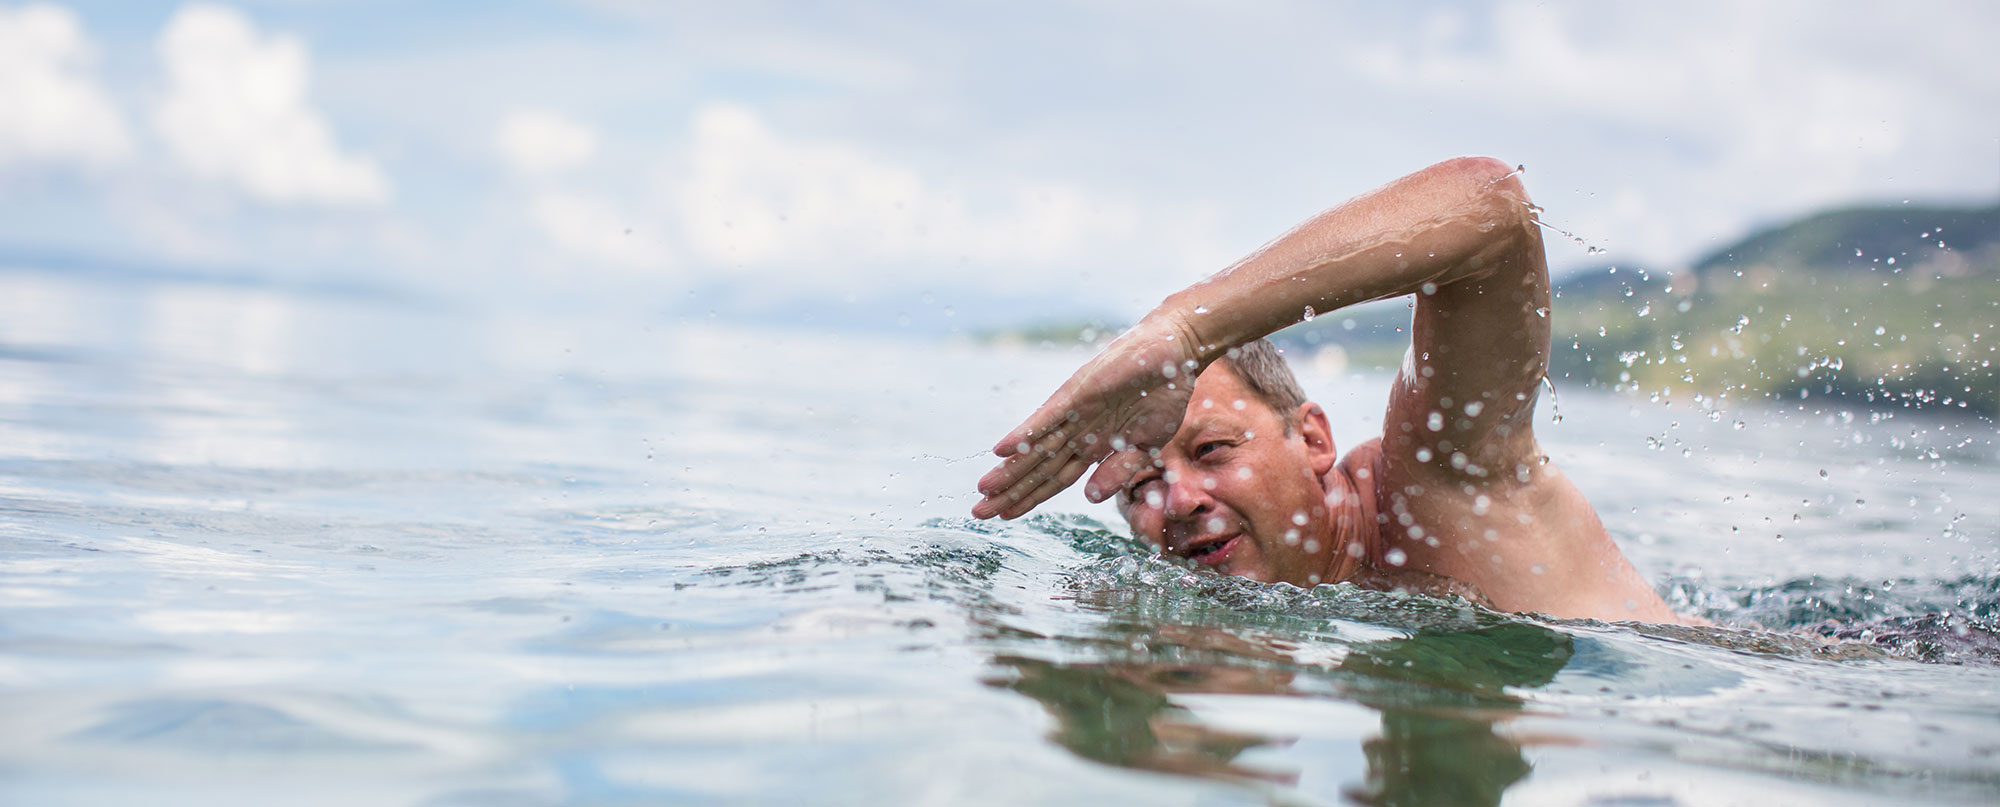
x,y
1018,160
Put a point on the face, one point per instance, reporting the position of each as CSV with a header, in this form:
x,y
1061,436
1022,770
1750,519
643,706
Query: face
x,y
1236,490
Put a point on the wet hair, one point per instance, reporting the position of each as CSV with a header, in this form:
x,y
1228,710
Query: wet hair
x,y
1261,368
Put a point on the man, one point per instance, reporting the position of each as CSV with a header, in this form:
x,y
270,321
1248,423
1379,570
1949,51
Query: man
x,y
1198,429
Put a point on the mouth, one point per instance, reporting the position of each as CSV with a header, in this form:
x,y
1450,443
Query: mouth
x,y
1211,551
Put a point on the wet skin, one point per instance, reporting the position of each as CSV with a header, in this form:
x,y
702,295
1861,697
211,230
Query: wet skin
x,y
1248,491
1456,488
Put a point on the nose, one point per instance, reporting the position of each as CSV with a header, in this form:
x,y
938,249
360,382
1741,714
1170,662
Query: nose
x,y
1187,495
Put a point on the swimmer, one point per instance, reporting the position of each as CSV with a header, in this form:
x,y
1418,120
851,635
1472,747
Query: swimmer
x,y
1200,433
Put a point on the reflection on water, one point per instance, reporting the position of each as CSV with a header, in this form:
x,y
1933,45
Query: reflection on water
x,y
1436,743
359,550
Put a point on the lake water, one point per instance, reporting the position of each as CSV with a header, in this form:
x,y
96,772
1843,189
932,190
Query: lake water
x,y
330,547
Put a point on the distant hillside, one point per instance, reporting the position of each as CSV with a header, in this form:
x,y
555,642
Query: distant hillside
x,y
1861,305
1863,237
1610,280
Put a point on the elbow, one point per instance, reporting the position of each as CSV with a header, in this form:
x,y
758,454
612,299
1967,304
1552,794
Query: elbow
x,y
1485,170
1486,177
1496,187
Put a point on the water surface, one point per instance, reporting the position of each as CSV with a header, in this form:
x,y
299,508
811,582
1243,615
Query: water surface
x,y
341,548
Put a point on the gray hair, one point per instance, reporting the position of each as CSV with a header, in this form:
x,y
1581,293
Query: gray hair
x,y
1261,368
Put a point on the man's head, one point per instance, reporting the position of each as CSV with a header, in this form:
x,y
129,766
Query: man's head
x,y
1263,371
1240,486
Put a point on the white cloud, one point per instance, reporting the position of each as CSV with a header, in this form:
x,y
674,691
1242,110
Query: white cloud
x,y
53,110
236,112
753,197
1776,112
538,142
596,229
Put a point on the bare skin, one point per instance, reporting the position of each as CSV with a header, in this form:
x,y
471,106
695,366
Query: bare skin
x,y
1456,493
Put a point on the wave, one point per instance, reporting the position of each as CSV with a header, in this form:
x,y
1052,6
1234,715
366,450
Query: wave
x,y
1094,569
1950,620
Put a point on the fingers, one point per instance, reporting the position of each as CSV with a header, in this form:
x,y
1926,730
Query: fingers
x,y
1013,442
1115,473
1026,480
1008,482
1065,476
1054,447
1027,476
1047,419
1011,471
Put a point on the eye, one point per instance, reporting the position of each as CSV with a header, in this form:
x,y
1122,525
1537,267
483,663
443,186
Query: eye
x,y
1204,450
1137,492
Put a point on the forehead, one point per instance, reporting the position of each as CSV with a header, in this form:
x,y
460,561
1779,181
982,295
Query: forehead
x,y
1221,399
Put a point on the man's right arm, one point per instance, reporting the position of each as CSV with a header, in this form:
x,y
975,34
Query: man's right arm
x,y
1463,221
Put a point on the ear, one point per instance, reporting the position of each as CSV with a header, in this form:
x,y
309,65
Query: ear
x,y
1320,450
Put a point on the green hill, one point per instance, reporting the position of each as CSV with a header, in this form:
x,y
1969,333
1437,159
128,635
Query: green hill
x,y
1863,238
1861,304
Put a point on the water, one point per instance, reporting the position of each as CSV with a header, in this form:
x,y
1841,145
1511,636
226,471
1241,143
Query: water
x,y
333,547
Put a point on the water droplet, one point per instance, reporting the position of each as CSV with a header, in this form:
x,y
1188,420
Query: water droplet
x,y
1397,557
1310,313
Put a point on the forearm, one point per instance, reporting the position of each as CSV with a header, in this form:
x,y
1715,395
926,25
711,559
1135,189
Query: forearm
x,y
1446,224
1451,231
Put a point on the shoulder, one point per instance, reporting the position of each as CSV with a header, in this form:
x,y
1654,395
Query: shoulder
x,y
1363,463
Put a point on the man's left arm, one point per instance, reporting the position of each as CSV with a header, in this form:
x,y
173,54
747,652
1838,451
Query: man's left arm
x,y
1469,493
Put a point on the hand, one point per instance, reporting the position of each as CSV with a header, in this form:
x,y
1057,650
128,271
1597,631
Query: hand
x,y
1127,400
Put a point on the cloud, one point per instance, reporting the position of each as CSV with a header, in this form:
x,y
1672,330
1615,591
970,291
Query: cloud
x,y
540,146
538,142
1780,110
1758,85
53,111
593,228
236,112
753,197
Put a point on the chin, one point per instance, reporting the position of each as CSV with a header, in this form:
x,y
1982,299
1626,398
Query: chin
x,y
1249,571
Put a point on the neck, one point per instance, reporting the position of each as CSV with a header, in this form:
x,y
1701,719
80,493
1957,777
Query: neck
x,y
1351,522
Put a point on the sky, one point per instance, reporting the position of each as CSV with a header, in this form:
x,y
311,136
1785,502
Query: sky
x,y
982,160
